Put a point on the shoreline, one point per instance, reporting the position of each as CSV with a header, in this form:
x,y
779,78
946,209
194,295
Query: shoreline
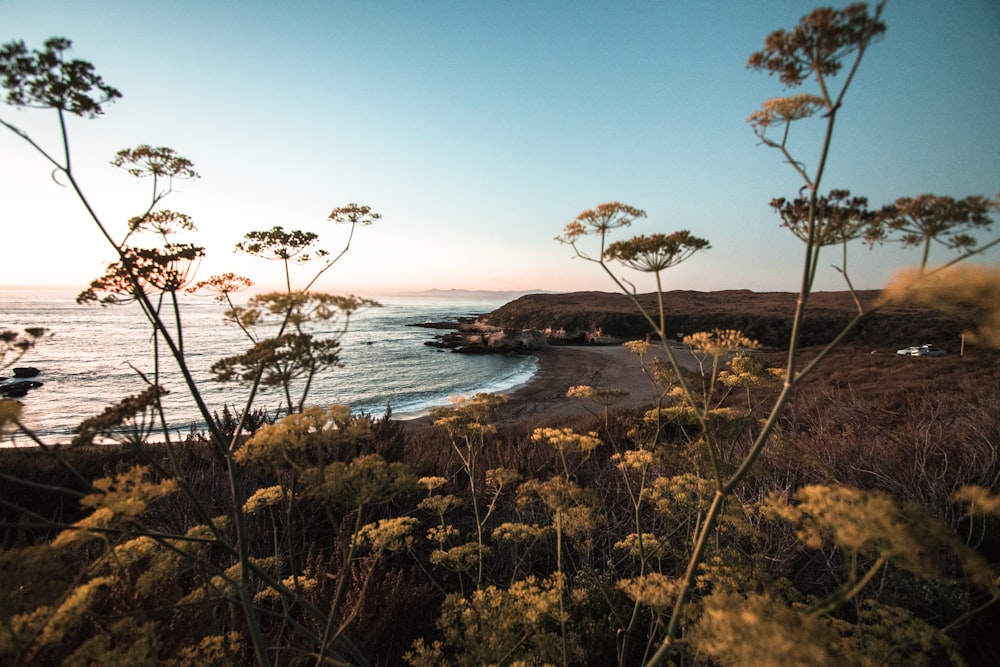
x,y
603,367
543,397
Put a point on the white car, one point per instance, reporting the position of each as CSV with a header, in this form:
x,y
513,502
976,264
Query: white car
x,y
922,351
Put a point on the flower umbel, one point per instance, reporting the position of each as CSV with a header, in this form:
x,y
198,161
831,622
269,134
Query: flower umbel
x,y
601,220
837,218
720,342
46,80
780,111
656,252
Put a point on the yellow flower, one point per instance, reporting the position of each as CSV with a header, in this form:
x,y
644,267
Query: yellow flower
x,y
432,483
517,532
211,650
261,498
73,609
653,590
134,550
638,347
462,558
300,583
567,440
652,546
981,500
581,391
366,480
440,505
388,534
497,478
636,459
294,435
720,342
117,500
441,534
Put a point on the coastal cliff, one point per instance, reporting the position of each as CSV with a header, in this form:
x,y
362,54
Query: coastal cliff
x,y
611,318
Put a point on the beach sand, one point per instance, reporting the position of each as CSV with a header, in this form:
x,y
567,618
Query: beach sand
x,y
603,367
610,367
562,367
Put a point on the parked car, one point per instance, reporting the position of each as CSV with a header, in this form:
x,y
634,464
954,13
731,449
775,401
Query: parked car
x,y
922,351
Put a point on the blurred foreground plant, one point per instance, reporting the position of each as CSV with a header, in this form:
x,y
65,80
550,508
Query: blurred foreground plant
x,y
825,43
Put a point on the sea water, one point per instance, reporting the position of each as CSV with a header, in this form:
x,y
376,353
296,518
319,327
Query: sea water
x,y
96,356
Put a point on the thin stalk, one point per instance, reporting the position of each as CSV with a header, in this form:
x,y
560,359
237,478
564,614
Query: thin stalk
x,y
636,497
808,273
333,261
842,596
338,593
688,579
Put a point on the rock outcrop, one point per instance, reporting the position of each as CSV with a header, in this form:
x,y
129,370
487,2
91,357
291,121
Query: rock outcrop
x,y
473,339
18,388
505,341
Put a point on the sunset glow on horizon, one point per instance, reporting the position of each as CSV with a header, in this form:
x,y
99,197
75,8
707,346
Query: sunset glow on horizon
x,y
479,130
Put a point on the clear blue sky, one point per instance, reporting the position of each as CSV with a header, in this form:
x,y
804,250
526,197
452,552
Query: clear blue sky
x,y
479,129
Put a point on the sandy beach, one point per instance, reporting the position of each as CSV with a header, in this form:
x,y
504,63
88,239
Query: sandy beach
x,y
611,367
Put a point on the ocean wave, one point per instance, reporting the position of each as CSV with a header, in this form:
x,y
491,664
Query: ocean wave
x,y
91,361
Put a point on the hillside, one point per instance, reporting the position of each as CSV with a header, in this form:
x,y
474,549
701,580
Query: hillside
x,y
765,316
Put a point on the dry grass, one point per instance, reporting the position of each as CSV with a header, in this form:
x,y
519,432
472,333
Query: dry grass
x,y
917,428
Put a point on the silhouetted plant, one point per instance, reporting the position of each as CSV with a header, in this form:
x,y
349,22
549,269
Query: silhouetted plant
x,y
154,278
280,360
927,219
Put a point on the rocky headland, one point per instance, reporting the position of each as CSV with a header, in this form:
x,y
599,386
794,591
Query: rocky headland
x,y
534,321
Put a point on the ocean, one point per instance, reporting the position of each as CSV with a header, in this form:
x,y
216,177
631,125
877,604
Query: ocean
x,y
95,354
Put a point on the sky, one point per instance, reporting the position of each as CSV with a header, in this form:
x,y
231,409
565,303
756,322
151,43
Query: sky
x,y
479,129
